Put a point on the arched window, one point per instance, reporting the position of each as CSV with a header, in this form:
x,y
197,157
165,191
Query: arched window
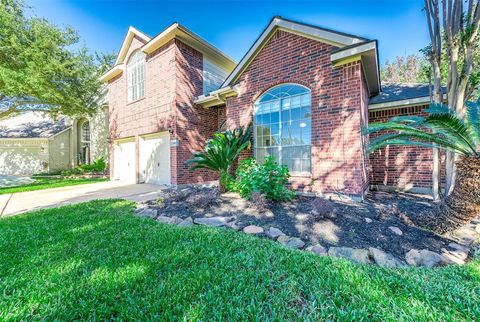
x,y
136,76
83,142
283,127
85,132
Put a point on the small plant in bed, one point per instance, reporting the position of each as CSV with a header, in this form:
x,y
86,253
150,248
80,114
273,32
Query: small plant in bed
x,y
269,179
204,198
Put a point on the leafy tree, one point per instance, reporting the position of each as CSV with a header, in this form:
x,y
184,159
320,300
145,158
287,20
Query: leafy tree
x,y
454,27
447,130
39,70
405,69
221,153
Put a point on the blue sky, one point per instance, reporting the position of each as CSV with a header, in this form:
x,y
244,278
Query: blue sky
x,y
232,26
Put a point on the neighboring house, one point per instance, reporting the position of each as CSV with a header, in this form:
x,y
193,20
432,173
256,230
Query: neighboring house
x,y
33,142
307,90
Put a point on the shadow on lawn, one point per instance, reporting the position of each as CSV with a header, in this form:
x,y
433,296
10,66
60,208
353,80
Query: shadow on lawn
x,y
97,261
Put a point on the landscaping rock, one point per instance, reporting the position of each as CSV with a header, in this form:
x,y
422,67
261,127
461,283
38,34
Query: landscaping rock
x,y
147,212
456,246
274,233
384,259
423,257
212,221
186,223
140,208
292,242
477,228
317,249
368,220
396,230
283,239
253,230
235,225
169,220
457,257
295,243
353,254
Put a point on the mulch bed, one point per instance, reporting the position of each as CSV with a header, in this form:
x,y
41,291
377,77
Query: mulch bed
x,y
337,223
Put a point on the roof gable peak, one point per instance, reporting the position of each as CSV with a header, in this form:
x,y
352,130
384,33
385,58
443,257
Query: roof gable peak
x,y
329,36
131,33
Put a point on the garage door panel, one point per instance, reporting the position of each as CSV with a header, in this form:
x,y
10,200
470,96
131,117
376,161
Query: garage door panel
x,y
22,161
124,158
154,153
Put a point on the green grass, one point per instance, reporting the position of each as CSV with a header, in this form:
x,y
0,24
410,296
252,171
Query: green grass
x,y
46,183
97,261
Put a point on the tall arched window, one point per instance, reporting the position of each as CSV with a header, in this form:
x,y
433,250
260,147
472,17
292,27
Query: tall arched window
x,y
84,142
136,76
283,127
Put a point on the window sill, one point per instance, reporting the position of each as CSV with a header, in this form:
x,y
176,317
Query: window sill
x,y
300,174
136,101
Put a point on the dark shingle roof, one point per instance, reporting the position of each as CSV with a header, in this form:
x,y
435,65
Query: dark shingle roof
x,y
401,91
32,125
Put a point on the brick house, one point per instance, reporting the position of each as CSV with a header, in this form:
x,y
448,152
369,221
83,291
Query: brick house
x,y
307,91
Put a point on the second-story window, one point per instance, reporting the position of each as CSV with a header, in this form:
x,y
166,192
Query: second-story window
x,y
136,76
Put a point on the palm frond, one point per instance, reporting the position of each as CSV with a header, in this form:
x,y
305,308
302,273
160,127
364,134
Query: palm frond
x,y
452,127
424,139
222,150
473,119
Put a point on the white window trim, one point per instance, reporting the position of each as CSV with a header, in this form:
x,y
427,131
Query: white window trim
x,y
292,173
139,82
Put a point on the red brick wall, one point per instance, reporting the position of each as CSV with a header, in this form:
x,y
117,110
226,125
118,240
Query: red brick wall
x,y
337,93
193,124
173,79
401,166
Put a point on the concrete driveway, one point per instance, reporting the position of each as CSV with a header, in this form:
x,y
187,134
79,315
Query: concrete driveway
x,y
16,203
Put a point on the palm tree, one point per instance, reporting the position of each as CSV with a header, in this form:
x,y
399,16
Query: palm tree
x,y
221,153
445,129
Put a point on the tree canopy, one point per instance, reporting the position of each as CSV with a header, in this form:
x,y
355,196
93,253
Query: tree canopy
x,y
43,67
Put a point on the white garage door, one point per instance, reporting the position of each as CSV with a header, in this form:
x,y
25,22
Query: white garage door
x,y
154,153
124,158
22,160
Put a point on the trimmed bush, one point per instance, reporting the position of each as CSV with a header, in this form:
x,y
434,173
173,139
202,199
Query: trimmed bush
x,y
269,179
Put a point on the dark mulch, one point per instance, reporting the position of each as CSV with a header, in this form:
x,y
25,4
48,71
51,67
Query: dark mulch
x,y
335,223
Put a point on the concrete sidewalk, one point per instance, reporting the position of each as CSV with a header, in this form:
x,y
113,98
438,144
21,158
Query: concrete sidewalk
x,y
16,203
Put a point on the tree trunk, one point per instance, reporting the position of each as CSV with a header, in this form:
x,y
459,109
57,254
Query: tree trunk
x,y
463,204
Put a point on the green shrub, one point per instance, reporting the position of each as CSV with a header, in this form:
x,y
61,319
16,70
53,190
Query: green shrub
x,y
98,166
269,179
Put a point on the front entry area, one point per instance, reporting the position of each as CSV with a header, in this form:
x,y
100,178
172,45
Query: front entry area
x,y
154,158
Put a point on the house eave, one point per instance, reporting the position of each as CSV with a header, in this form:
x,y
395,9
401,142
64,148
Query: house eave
x,y
423,100
180,32
216,98
112,73
367,53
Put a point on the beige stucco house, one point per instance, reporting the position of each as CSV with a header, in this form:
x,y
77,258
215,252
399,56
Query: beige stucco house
x,y
34,142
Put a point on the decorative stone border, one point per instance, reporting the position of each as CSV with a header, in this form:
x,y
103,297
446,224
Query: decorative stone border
x,y
457,254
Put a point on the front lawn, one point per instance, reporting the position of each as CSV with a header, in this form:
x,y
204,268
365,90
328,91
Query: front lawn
x,y
46,183
98,261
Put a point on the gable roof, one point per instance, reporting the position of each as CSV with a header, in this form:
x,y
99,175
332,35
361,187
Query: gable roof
x,y
177,31
329,36
32,124
402,94
127,41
